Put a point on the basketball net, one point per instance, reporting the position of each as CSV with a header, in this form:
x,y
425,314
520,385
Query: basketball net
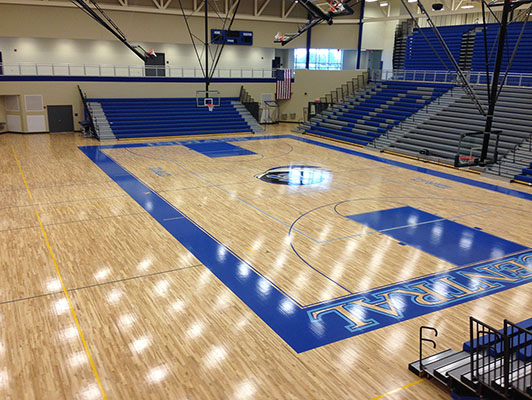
x,y
209,103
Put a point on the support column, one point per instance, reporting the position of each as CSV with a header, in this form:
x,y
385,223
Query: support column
x,y
360,25
309,39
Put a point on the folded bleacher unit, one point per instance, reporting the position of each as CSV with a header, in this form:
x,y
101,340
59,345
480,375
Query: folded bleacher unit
x,y
144,117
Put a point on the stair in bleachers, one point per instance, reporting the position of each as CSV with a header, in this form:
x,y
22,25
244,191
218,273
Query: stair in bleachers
x,y
101,124
467,49
513,165
246,115
402,31
150,117
362,119
439,135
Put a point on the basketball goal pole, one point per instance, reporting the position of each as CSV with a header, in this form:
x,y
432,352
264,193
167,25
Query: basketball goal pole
x,y
207,78
495,81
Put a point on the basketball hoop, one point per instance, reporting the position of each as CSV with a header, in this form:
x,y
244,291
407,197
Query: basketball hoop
x,y
336,6
467,158
209,103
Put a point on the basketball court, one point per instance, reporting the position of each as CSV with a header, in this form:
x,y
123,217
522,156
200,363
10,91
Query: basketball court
x,y
243,266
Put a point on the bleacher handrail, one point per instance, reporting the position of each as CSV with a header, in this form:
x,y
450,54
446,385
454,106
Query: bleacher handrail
x,y
435,76
134,71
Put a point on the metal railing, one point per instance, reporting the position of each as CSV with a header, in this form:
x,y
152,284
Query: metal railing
x,y
487,346
518,366
105,70
473,77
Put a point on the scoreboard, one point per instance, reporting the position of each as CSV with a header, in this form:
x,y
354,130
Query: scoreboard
x,y
220,36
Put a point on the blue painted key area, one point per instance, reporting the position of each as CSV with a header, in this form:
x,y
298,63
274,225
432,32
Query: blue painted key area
x,y
447,240
219,149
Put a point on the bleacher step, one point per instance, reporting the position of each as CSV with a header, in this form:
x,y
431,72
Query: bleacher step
x,y
415,365
462,359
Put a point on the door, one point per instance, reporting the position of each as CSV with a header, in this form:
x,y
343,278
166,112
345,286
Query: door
x,y
374,59
155,66
60,118
1,67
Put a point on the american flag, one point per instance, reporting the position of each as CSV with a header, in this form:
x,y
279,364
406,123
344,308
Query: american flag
x,y
283,87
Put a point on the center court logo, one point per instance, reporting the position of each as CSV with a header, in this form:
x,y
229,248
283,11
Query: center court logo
x,y
295,175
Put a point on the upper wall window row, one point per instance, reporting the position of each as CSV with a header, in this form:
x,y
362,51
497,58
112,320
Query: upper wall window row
x,y
328,59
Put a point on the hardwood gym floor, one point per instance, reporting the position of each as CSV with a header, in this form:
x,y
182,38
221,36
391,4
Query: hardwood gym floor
x,y
172,272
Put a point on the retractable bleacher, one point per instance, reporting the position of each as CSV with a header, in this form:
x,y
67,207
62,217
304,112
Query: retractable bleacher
x,y
494,364
522,60
151,117
362,119
420,55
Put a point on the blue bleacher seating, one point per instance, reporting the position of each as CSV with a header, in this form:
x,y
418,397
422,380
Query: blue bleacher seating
x,y
420,56
497,348
525,175
368,116
522,62
148,117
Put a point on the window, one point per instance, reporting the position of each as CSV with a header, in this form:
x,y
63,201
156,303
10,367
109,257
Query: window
x,y
328,59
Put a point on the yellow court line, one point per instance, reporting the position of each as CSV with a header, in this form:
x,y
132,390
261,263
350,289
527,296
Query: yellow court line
x,y
65,291
400,388
22,173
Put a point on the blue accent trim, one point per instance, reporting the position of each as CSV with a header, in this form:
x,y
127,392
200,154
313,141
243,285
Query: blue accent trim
x,y
305,328
41,78
215,150
447,240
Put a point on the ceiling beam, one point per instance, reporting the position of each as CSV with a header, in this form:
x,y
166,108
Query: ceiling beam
x,y
263,7
285,13
168,11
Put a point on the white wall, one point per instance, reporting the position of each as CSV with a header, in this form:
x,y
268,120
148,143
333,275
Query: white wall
x,y
39,50
379,35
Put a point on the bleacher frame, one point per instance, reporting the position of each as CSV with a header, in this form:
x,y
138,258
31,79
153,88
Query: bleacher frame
x,y
493,364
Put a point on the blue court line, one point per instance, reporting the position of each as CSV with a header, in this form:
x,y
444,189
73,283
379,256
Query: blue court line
x,y
322,324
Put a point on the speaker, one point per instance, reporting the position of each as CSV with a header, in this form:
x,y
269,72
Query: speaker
x,y
276,62
437,6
